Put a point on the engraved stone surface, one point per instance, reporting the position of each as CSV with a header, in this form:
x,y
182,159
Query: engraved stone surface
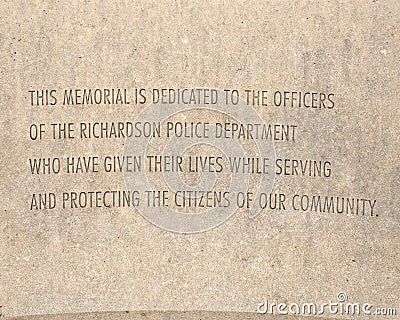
x,y
210,159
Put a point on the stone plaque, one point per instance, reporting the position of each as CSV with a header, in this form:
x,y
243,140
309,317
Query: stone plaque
x,y
200,160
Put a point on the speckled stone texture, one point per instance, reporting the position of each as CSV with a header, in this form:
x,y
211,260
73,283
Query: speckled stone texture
x,y
83,262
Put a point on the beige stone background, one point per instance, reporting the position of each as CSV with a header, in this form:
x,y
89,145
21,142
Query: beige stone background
x,y
97,260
